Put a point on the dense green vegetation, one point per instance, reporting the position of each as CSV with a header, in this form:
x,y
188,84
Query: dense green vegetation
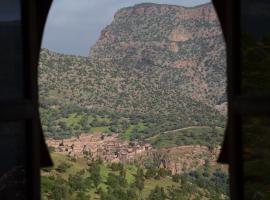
x,y
99,180
160,133
70,80
72,120
65,123
205,136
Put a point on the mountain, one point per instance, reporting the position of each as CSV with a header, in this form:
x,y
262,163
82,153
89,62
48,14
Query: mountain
x,y
157,66
147,108
188,40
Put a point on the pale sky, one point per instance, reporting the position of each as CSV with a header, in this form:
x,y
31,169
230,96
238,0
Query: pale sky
x,y
73,26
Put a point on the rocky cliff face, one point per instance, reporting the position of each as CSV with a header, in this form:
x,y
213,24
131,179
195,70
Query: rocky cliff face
x,y
188,39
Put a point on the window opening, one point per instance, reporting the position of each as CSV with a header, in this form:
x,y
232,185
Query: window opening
x,y
142,112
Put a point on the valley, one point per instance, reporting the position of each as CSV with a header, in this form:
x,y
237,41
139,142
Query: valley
x,y
143,116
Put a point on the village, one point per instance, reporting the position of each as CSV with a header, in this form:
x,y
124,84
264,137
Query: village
x,y
110,148
106,147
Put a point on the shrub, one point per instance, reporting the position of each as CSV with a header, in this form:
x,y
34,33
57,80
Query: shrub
x,y
62,167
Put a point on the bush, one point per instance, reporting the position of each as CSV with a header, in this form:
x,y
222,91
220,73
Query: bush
x,y
176,178
150,173
157,194
62,167
116,166
163,172
76,182
82,196
54,188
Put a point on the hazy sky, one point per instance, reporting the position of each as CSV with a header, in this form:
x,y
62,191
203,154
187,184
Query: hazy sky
x,y
73,26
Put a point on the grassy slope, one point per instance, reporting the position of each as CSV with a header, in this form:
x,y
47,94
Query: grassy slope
x,y
81,164
199,188
189,136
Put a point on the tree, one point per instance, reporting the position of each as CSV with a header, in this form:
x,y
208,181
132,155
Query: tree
x,y
150,173
82,196
95,176
176,178
157,194
115,181
162,172
62,167
123,176
112,180
176,193
63,125
76,182
131,194
139,180
84,123
116,166
116,193
118,187
59,189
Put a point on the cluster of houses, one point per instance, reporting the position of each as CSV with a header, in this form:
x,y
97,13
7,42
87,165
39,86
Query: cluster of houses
x,y
110,148
93,146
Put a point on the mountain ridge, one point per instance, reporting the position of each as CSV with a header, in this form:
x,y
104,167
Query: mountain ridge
x,y
169,5
138,36
170,70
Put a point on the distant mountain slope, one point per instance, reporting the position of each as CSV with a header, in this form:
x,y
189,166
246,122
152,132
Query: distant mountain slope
x,y
158,61
187,39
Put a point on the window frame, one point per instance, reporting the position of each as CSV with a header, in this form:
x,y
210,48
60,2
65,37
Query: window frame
x,y
34,15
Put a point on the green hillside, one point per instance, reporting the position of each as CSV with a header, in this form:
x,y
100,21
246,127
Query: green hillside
x,y
74,86
166,77
74,179
205,136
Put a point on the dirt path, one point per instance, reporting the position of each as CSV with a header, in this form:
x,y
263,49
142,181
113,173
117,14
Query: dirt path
x,y
176,130
186,128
